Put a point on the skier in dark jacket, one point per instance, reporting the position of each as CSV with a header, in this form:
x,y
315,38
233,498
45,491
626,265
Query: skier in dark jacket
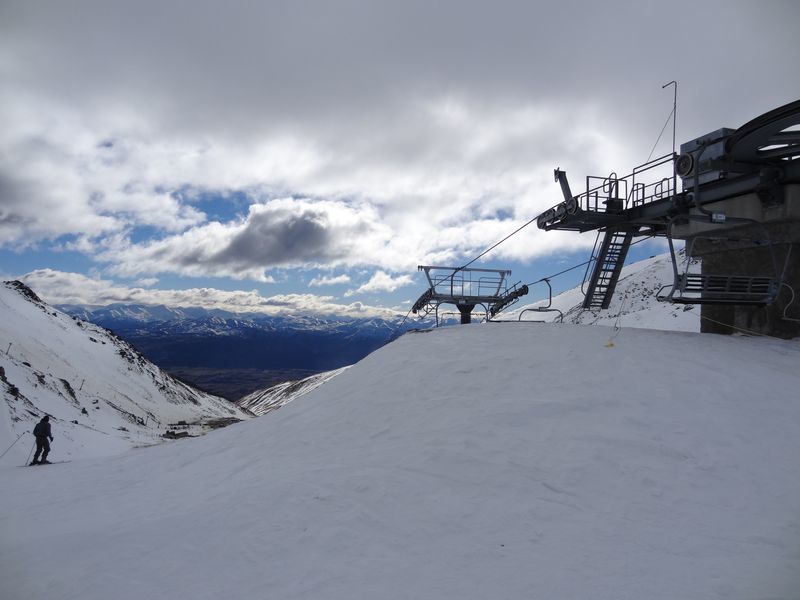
x,y
42,433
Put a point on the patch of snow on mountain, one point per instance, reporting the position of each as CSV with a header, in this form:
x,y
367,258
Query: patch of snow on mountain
x,y
102,395
263,401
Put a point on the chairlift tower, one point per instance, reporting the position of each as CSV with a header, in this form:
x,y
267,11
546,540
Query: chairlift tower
x,y
467,288
738,210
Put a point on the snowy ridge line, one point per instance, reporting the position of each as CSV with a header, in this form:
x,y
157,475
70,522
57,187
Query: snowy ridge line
x,y
197,320
263,401
103,396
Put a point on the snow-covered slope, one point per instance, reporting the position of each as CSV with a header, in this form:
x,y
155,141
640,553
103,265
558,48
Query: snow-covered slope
x,y
505,460
634,302
102,395
263,401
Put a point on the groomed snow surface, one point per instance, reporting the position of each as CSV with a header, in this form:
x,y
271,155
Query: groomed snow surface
x,y
505,460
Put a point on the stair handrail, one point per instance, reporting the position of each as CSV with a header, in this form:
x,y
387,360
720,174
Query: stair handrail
x,y
637,195
592,258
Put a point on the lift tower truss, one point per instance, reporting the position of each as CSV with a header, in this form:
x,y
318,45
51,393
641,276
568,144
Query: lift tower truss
x,y
467,288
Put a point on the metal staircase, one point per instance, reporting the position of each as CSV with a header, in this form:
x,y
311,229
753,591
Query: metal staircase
x,y
607,268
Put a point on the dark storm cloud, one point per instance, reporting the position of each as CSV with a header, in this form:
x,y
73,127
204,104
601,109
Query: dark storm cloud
x,y
282,237
282,233
26,216
12,218
13,193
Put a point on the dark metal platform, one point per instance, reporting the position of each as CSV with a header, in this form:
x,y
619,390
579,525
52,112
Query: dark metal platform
x,y
467,288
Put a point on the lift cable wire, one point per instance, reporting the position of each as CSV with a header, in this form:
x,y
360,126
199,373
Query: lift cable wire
x,y
673,114
401,324
492,247
660,134
583,264
748,331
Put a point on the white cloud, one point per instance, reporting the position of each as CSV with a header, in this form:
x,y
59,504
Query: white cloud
x,y
382,282
58,287
333,280
428,188
441,184
147,281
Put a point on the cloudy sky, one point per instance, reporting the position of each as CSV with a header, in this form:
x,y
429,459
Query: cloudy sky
x,y
310,155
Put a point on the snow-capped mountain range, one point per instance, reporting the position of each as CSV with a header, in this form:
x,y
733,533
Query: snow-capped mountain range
x,y
102,394
143,318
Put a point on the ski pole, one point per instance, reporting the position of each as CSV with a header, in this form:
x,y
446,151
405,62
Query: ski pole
x,y
12,443
27,462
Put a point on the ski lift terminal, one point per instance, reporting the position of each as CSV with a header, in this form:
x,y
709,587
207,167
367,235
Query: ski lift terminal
x,y
736,185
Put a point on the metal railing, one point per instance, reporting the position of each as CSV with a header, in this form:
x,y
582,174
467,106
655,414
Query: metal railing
x,y
458,282
613,193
